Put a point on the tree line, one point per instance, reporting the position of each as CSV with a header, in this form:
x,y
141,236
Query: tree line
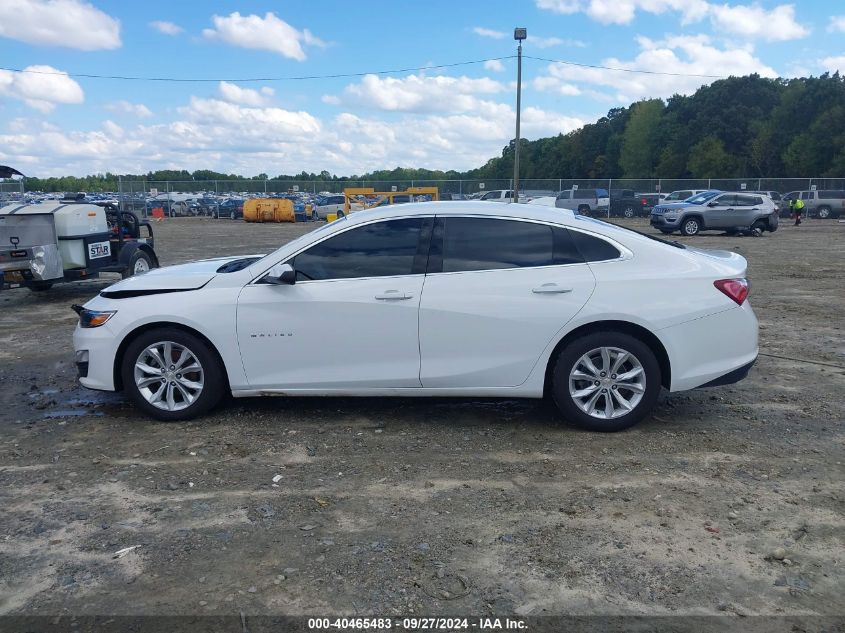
x,y
735,127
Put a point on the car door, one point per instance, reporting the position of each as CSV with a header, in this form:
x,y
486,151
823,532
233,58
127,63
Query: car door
x,y
747,209
496,293
721,214
351,319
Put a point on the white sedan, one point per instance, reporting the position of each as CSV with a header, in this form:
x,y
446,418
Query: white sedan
x,y
431,299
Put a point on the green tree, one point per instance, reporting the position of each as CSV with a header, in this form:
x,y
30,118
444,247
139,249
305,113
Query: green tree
x,y
640,151
708,159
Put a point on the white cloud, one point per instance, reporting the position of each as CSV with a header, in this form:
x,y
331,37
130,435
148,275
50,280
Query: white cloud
x,y
837,23
245,96
67,23
560,6
269,33
420,93
685,55
833,64
166,28
753,21
215,134
330,99
41,88
495,65
777,25
483,32
132,109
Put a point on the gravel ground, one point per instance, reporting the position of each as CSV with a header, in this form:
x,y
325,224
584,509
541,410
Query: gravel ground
x,y
725,501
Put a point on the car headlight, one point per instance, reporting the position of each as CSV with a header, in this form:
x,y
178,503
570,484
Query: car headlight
x,y
92,318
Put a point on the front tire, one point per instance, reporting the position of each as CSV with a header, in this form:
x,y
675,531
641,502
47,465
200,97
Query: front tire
x,y
629,212
823,213
172,375
606,381
691,227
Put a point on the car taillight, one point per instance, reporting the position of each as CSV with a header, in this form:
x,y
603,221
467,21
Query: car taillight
x,y
735,289
645,202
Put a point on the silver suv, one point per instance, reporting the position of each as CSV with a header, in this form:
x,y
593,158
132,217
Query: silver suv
x,y
824,203
730,211
583,201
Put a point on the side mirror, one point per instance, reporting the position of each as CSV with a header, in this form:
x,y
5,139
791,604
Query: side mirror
x,y
280,274
712,204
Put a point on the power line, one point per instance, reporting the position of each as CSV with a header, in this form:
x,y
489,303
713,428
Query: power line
x,y
256,79
623,70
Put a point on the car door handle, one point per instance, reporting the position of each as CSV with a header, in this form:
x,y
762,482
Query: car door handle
x,y
393,295
550,289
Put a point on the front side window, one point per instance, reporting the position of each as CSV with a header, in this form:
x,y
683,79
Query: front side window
x,y
376,250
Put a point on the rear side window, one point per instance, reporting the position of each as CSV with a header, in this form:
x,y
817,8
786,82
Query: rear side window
x,y
594,249
584,194
832,193
491,244
375,250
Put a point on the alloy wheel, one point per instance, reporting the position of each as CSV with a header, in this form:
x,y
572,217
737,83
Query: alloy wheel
x,y
607,382
169,376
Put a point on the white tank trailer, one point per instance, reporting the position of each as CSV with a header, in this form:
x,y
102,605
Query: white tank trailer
x,y
42,244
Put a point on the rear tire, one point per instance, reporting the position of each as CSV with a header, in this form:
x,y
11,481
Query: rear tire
x,y
340,214
629,212
637,382
760,225
583,210
691,226
40,286
209,375
823,213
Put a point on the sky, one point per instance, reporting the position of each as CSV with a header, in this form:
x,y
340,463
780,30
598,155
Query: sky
x,y
55,122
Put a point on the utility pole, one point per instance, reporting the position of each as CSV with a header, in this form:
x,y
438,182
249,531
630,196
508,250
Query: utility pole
x,y
519,34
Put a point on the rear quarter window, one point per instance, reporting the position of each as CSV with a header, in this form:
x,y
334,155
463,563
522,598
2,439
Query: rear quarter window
x,y
594,249
832,193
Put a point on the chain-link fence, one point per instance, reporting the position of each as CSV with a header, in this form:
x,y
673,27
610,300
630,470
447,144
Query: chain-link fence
x,y
11,191
207,197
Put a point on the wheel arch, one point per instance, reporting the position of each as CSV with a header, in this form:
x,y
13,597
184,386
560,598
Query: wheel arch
x,y
141,329
625,327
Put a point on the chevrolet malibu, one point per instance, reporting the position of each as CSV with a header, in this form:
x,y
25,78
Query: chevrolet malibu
x,y
431,299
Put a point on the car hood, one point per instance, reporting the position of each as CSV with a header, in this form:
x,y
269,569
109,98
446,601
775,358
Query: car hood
x,y
179,278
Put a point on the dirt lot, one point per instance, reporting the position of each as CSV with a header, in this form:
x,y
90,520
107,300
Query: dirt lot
x,y
726,501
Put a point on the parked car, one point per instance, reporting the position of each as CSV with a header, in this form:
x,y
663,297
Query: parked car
x,y
207,206
731,211
233,208
498,195
682,194
453,196
649,201
602,339
326,205
625,203
584,201
823,203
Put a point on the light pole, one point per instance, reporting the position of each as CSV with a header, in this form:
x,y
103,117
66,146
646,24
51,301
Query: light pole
x,y
519,34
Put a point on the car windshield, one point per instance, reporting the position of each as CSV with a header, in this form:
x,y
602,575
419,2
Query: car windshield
x,y
701,197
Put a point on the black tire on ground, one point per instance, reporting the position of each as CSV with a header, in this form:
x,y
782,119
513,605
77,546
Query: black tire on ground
x,y
583,210
569,356
138,256
823,213
760,225
40,286
691,226
629,211
340,214
214,384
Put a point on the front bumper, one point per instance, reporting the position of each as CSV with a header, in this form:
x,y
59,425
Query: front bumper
x,y
96,370
660,221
